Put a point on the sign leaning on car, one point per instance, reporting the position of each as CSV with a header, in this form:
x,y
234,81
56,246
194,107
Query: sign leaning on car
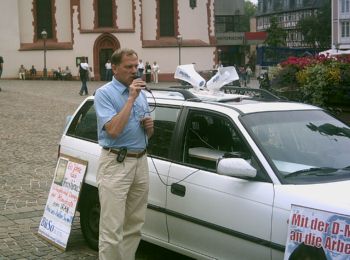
x,y
225,169
319,233
56,223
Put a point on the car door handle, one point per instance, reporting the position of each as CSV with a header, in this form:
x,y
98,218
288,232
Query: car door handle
x,y
178,189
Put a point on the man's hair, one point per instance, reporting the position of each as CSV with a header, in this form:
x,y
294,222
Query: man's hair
x,y
117,56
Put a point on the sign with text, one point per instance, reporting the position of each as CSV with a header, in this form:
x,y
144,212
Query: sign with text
x,y
56,223
317,233
230,38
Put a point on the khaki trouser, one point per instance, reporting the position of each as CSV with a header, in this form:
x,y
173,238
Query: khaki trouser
x,y
123,191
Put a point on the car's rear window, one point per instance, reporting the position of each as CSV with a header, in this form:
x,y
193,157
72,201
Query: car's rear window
x,y
84,125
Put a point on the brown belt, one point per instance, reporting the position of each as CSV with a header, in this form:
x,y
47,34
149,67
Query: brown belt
x,y
134,155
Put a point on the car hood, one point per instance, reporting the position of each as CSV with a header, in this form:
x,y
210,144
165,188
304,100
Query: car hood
x,y
333,197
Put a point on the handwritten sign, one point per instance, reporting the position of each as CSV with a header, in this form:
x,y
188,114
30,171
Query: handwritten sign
x,y
56,223
318,233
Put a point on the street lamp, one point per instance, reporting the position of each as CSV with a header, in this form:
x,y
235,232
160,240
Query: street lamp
x,y
44,36
179,42
219,55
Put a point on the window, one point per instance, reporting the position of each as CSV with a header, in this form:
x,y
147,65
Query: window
x,y
345,29
297,140
299,3
165,119
227,23
84,125
166,16
345,6
292,4
209,137
105,13
43,10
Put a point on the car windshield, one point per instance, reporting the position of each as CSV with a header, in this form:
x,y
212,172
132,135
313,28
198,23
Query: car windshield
x,y
302,146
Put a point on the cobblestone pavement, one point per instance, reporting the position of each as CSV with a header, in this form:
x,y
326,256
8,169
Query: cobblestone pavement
x,y
32,117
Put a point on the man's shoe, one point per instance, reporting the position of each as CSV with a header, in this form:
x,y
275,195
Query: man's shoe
x,y
80,93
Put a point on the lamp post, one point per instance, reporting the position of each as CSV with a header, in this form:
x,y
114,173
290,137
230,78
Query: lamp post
x,y
219,55
179,42
44,36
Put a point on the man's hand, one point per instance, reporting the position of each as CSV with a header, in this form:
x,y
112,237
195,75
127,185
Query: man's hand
x,y
135,88
147,123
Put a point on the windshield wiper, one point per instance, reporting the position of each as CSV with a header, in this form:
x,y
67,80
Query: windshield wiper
x,y
318,171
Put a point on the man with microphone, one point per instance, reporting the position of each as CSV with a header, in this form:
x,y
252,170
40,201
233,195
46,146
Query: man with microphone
x,y
124,126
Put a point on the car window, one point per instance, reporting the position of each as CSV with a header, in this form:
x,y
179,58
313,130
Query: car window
x,y
84,125
165,119
298,141
210,136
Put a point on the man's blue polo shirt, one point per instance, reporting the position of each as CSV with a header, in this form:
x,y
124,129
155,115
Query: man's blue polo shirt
x,y
109,101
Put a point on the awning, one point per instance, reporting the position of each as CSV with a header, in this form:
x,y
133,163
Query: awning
x,y
334,52
255,37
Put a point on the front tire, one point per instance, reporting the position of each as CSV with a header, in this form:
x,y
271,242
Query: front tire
x,y
90,215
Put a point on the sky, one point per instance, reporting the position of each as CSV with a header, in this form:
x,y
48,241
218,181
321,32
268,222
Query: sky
x,y
254,1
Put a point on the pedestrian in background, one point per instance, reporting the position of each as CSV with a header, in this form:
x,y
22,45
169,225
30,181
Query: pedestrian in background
x,y
155,72
1,66
84,74
148,69
249,73
108,67
124,126
140,69
32,71
22,72
58,73
66,74
243,75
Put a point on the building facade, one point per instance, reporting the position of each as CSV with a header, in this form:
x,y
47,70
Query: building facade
x,y
96,28
341,24
230,37
288,14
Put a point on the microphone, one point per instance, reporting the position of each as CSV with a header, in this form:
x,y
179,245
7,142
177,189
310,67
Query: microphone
x,y
143,86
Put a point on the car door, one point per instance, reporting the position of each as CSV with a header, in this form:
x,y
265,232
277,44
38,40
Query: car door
x,y
215,215
159,153
80,140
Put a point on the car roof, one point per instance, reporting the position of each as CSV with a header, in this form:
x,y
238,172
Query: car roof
x,y
247,108
243,103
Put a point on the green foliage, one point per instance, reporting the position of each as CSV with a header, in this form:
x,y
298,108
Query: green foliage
x,y
316,29
286,78
316,87
321,81
276,36
345,74
249,12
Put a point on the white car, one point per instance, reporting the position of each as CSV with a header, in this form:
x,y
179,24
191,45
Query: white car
x,y
224,171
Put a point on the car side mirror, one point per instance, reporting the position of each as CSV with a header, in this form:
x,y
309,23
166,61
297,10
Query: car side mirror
x,y
236,167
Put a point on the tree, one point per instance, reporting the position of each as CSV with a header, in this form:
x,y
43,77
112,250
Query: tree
x,y
316,29
249,12
276,36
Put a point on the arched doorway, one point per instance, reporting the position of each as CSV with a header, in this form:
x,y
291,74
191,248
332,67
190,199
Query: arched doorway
x,y
104,46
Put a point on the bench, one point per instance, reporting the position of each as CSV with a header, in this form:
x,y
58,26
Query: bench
x,y
39,75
